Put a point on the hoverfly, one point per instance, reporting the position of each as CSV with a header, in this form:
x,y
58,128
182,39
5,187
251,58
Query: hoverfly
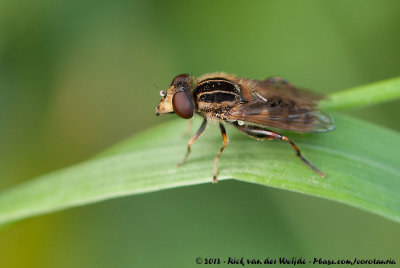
x,y
252,106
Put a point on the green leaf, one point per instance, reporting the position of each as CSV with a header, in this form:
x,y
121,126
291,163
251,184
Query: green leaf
x,y
363,96
361,160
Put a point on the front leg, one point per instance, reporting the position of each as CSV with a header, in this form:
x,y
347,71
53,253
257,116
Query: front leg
x,y
262,133
188,128
192,140
225,143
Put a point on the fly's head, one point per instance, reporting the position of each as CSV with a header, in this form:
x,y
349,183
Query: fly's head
x,y
178,98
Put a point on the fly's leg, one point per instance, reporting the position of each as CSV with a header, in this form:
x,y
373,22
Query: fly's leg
x,y
192,140
262,133
188,128
225,143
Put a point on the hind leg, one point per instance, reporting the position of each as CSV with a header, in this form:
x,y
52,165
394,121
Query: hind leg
x,y
265,134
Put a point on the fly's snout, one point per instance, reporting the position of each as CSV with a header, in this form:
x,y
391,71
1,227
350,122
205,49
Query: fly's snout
x,y
165,105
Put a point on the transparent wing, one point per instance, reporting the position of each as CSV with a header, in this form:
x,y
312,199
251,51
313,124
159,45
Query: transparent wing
x,y
283,106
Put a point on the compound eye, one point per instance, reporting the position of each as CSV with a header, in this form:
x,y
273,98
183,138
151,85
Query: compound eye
x,y
183,104
180,80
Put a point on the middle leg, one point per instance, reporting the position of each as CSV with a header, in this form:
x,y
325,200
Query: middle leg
x,y
225,143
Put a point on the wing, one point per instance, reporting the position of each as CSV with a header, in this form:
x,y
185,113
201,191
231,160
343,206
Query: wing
x,y
278,104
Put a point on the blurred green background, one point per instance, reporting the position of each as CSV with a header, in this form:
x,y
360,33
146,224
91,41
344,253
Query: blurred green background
x,y
79,76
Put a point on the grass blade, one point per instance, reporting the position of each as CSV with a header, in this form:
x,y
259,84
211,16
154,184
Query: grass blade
x,y
361,160
363,96
360,173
